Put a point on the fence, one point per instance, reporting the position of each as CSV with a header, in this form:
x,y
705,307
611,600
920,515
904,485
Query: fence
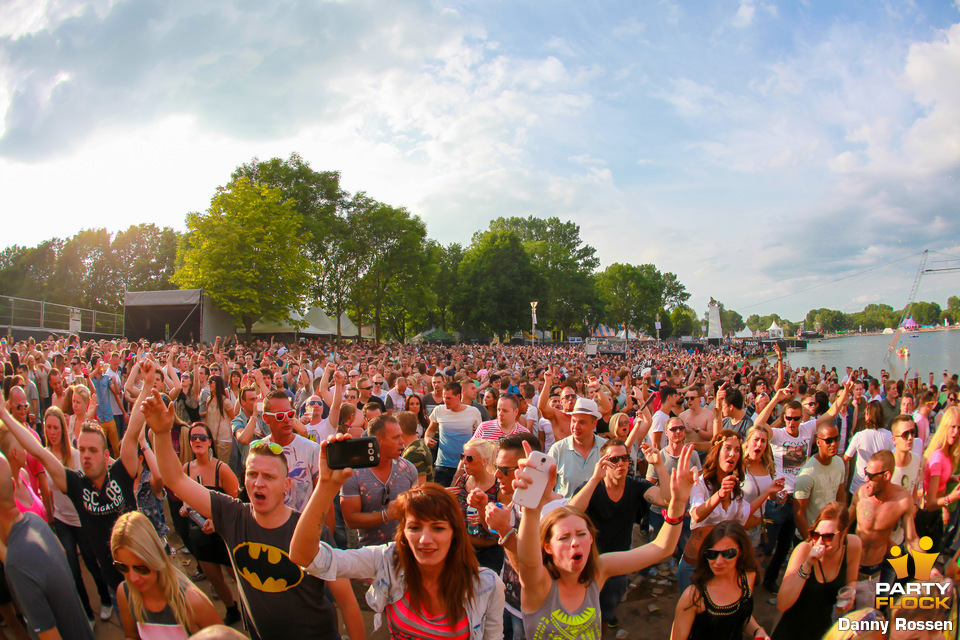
x,y
19,313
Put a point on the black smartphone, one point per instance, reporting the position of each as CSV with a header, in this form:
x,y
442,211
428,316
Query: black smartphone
x,y
355,453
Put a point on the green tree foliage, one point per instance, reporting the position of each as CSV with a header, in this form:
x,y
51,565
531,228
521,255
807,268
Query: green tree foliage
x,y
953,303
397,273
564,261
245,253
666,325
925,313
629,296
497,283
447,281
730,320
149,255
684,319
828,320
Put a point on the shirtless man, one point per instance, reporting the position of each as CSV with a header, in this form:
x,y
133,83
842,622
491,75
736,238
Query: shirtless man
x,y
697,419
559,420
878,507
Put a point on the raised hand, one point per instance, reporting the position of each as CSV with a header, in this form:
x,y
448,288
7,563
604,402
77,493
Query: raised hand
x,y
651,454
159,417
683,478
336,476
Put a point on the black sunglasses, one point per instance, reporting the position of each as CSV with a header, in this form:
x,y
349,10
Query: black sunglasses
x,y
909,433
791,418
199,437
466,458
619,459
505,471
729,554
143,570
831,440
871,476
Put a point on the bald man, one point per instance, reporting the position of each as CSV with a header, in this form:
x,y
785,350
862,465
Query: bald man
x,y
37,571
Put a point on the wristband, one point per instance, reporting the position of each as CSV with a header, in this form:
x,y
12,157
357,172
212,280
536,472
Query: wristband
x,y
383,514
503,539
668,520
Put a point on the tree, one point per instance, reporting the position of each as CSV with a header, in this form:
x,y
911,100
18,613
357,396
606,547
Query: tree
x,y
629,296
497,283
666,325
563,260
145,256
730,320
953,303
925,313
398,274
683,319
245,253
447,281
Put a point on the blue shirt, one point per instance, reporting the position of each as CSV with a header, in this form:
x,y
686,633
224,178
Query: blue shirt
x,y
101,385
572,468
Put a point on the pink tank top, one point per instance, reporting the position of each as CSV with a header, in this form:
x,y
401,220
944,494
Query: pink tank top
x,y
37,505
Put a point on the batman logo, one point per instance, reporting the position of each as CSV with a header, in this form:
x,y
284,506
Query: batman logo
x,y
266,568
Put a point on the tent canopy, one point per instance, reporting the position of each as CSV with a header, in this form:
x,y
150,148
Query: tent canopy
x,y
744,333
910,323
314,323
603,331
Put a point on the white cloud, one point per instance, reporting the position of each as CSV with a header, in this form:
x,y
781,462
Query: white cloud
x,y
745,13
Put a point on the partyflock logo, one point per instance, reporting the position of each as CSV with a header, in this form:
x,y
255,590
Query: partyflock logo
x,y
921,594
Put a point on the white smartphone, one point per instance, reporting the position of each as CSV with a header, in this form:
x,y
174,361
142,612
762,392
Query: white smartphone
x,y
538,464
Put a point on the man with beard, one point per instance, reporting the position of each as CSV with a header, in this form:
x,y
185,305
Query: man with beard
x,y
878,507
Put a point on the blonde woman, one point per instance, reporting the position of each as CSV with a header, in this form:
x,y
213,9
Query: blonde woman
x,y
66,522
155,600
759,471
479,476
81,407
939,461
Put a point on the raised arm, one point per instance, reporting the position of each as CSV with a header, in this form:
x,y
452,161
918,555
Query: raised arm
x,y
160,418
543,402
31,445
534,578
334,416
841,401
128,446
306,535
324,389
764,416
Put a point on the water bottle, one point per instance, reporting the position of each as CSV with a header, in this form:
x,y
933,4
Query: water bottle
x,y
473,521
196,517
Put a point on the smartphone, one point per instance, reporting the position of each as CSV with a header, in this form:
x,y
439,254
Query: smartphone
x,y
259,407
538,464
355,453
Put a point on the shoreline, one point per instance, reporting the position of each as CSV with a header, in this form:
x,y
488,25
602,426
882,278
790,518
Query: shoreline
x,y
832,336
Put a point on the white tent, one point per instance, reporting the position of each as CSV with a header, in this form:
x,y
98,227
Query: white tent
x,y
313,323
775,332
744,333
632,335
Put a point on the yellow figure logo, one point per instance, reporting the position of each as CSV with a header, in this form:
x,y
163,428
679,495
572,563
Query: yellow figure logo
x,y
922,562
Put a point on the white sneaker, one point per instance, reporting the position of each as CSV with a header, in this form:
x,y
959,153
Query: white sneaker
x,y
106,612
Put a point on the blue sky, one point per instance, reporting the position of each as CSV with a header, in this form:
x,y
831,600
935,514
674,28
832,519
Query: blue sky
x,y
754,148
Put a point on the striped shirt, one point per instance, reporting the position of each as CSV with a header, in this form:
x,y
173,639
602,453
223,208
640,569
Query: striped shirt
x,y
407,622
490,430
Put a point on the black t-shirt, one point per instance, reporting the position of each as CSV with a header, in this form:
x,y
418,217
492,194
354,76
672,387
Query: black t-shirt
x,y
375,400
99,509
280,600
614,520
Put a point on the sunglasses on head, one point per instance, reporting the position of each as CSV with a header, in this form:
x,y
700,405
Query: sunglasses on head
x,y
143,570
280,415
831,440
729,554
275,448
199,437
826,537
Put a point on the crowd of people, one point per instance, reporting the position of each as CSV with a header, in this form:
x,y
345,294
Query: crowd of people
x,y
519,490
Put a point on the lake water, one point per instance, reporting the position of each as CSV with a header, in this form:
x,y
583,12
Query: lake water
x,y
929,351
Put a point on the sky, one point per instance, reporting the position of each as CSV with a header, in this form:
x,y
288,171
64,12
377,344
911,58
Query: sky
x,y
776,156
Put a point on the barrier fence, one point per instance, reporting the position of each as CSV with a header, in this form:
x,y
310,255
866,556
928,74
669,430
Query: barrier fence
x,y
20,313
